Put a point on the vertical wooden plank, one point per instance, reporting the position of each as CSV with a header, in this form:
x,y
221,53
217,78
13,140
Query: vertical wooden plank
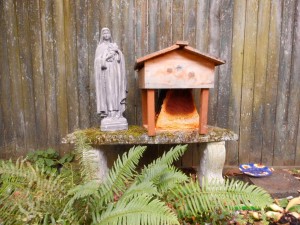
x,y
7,135
15,74
224,81
37,73
248,81
214,49
202,34
141,44
129,54
71,64
284,154
296,55
177,20
239,15
82,63
260,80
153,20
60,66
105,11
141,14
116,21
46,11
189,26
271,82
164,35
294,99
226,30
22,10
92,39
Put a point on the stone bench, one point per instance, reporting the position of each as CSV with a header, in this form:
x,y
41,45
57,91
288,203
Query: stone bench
x,y
212,146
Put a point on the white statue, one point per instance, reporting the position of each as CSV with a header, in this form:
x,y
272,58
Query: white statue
x,y
111,83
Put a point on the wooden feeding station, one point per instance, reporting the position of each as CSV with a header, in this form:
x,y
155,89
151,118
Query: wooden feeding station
x,y
170,76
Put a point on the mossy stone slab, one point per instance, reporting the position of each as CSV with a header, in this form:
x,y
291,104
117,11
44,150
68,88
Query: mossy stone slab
x,y
138,135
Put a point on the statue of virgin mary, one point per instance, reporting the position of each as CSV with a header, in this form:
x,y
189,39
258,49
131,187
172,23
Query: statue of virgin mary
x,y
111,83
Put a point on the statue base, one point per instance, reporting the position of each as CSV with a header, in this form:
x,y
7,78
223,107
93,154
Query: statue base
x,y
113,124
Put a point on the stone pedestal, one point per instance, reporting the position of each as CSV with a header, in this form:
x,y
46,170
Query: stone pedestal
x,y
114,124
212,161
100,169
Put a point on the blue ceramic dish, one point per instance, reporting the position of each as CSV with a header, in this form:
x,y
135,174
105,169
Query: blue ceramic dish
x,y
255,170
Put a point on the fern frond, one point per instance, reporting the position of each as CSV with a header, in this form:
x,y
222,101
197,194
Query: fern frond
x,y
121,172
32,193
170,178
191,200
152,174
141,210
136,189
86,157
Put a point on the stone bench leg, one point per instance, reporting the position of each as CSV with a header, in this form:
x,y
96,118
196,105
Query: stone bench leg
x,y
212,161
95,161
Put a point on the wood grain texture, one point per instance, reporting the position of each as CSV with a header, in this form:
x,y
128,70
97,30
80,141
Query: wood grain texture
x,y
128,36
5,94
153,28
141,46
26,73
245,144
60,69
223,90
82,63
284,154
261,60
238,40
189,21
46,13
93,35
214,50
15,74
294,102
71,64
202,25
37,73
177,19
164,35
271,83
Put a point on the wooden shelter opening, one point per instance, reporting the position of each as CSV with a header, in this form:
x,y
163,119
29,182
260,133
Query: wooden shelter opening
x,y
178,111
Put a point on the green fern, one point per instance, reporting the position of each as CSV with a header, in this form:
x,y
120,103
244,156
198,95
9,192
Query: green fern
x,y
31,193
192,200
121,174
142,210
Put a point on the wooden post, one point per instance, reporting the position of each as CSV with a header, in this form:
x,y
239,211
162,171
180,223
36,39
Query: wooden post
x,y
144,108
151,112
204,94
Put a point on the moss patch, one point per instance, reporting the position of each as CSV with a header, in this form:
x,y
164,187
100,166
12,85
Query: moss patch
x,y
138,135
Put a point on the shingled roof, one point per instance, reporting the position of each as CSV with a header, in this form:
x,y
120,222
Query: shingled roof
x,y
179,45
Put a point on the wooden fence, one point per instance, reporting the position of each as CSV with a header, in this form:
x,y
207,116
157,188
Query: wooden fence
x,y
47,55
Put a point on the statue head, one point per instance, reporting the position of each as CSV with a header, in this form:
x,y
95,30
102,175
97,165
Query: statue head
x,y
105,35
